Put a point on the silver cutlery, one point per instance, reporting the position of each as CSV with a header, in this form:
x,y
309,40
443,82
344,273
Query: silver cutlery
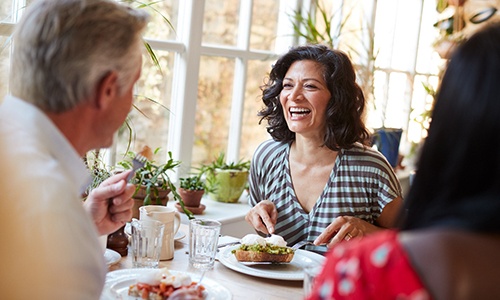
x,y
303,243
138,162
228,244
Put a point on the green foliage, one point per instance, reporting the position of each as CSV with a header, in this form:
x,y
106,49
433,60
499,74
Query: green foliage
x,y
220,163
152,176
155,178
194,183
211,184
305,25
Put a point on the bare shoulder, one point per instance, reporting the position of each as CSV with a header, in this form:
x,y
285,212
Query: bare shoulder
x,y
446,259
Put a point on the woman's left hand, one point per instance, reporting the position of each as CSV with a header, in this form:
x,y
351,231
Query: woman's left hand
x,y
345,228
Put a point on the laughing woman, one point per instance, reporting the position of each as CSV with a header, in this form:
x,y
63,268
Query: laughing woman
x,y
317,180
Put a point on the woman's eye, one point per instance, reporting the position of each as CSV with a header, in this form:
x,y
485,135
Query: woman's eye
x,y
287,85
310,86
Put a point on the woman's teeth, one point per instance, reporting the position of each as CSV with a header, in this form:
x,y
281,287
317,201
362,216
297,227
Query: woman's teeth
x,y
299,111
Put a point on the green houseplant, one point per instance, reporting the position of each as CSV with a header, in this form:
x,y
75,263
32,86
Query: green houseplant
x,y
225,182
152,181
191,190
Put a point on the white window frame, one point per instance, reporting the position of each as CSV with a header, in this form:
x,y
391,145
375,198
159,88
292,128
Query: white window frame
x,y
189,49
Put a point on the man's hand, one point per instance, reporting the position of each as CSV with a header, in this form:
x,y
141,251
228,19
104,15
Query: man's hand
x,y
110,204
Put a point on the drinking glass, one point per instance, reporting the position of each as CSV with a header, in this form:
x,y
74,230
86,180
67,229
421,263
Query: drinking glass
x,y
203,239
146,243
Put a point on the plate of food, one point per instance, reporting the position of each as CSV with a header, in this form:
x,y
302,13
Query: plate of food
x,y
273,261
128,284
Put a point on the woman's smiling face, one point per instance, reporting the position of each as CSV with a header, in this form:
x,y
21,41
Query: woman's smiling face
x,y
305,97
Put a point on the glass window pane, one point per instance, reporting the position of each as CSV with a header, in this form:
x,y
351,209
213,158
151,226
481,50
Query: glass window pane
x,y
264,24
148,119
162,13
397,101
252,133
421,106
428,61
221,21
405,35
215,88
375,118
384,27
4,70
6,11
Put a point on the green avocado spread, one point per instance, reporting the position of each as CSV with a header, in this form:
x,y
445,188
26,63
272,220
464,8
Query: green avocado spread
x,y
271,249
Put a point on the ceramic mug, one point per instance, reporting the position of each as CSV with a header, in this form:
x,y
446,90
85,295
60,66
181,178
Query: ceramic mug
x,y
172,220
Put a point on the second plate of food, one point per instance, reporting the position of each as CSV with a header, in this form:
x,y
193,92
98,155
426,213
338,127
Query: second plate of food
x,y
290,271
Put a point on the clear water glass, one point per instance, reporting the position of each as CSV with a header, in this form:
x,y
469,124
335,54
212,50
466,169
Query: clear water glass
x,y
203,239
146,243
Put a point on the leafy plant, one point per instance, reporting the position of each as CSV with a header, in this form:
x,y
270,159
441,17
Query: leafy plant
x,y
221,164
305,25
194,183
212,184
155,178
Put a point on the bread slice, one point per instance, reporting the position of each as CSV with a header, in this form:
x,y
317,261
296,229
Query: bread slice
x,y
257,256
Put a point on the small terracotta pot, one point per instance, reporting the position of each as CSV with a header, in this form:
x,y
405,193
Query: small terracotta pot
x,y
191,198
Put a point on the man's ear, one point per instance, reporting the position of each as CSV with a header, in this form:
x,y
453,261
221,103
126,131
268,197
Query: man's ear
x,y
107,90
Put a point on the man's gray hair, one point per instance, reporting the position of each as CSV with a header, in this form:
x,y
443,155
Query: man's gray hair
x,y
64,48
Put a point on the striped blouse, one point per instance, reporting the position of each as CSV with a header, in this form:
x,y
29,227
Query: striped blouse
x,y
361,183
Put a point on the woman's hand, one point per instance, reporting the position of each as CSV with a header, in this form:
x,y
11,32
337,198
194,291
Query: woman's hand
x,y
110,204
263,217
344,228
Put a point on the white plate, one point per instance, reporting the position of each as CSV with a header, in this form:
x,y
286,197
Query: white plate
x,y
111,257
291,271
118,282
178,236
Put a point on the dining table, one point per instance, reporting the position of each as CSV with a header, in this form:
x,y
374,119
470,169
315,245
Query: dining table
x,y
240,285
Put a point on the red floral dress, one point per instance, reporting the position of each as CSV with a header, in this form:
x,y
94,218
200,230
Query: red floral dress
x,y
375,267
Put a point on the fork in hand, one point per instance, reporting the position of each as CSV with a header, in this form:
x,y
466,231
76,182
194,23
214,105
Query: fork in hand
x,y
138,162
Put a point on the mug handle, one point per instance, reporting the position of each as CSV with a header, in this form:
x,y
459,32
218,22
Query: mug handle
x,y
177,222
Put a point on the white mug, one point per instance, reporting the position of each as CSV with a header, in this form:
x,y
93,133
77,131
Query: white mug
x,y
172,220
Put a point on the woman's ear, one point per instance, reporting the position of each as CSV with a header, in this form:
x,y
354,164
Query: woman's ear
x,y
107,90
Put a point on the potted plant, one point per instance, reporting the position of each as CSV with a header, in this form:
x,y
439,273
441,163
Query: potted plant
x,y
152,181
191,190
225,182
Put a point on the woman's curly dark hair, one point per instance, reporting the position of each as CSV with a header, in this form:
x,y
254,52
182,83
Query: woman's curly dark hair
x,y
345,110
